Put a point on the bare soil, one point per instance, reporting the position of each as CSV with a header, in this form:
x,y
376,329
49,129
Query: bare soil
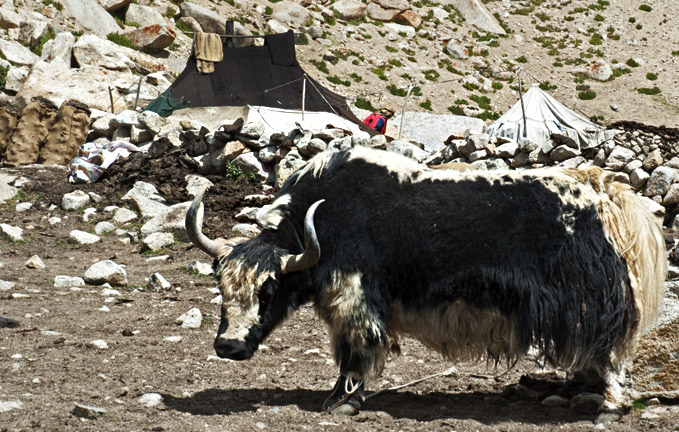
x,y
48,364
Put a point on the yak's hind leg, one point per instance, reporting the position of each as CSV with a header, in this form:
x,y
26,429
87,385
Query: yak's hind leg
x,y
616,394
358,332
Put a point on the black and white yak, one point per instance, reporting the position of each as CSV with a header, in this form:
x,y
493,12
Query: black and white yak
x,y
475,265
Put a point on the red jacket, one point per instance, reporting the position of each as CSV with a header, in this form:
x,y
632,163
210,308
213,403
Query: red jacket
x,y
377,122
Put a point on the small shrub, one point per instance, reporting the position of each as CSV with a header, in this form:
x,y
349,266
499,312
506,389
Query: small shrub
x,y
426,105
645,8
497,85
121,40
337,80
587,95
173,47
396,91
649,91
522,59
489,115
461,102
301,39
456,110
170,12
236,173
268,10
380,73
58,6
482,101
470,86
431,75
596,39
639,27
391,49
320,65
598,17
364,104
183,27
3,76
356,77
651,76
632,20
395,62
631,63
675,53
48,36
546,86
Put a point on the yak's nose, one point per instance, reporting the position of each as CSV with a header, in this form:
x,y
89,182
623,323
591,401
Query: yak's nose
x,y
232,349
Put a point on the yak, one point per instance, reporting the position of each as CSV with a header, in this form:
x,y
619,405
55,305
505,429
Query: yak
x,y
476,265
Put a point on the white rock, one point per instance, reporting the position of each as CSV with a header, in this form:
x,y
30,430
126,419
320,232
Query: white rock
x,y
660,181
88,213
99,344
90,15
210,21
150,400
6,285
200,267
17,54
104,227
246,230
110,292
157,241
123,215
58,51
74,200
54,220
157,283
143,15
82,237
173,338
293,14
104,309
35,263
106,271
11,232
600,70
6,406
22,207
63,281
191,319
172,221
196,183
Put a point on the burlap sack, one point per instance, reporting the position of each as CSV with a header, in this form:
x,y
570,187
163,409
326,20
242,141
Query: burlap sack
x,y
9,118
31,132
68,133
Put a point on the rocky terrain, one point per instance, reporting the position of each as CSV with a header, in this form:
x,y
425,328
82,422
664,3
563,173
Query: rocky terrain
x,y
610,60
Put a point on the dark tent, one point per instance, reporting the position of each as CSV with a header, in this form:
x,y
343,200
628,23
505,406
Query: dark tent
x,y
267,76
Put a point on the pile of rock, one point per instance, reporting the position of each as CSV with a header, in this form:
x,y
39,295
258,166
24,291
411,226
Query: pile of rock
x,y
646,161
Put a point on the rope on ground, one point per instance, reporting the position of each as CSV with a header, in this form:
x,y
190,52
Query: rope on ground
x,y
452,371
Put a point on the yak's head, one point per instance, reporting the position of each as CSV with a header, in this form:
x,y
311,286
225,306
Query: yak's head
x,y
256,280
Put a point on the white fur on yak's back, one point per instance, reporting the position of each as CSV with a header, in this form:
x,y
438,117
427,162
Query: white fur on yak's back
x,y
637,236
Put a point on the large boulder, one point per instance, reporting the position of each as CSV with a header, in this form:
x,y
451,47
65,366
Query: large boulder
x,y
91,16
291,13
476,14
114,5
144,16
154,37
210,22
32,31
350,9
17,54
59,50
387,10
8,18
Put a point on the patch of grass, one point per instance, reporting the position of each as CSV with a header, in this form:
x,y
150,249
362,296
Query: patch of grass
x,y
638,405
186,270
3,76
391,49
320,65
649,91
236,173
356,77
645,8
431,75
482,101
121,40
452,70
48,36
337,80
426,105
456,110
173,47
521,59
395,62
632,63
23,195
396,91
380,73
182,26
587,95
598,18
364,104
58,6
489,115
651,76
461,102
170,12
675,53
301,39
546,86
639,27
470,86
522,11
596,39
497,85
268,10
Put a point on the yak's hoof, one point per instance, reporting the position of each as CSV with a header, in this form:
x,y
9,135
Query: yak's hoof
x,y
609,417
351,408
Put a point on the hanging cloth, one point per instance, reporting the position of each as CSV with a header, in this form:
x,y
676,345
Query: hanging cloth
x,y
207,48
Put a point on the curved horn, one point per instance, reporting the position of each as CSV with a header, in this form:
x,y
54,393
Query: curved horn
x,y
312,250
193,225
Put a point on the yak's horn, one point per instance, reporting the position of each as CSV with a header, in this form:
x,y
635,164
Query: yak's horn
x,y
193,224
312,250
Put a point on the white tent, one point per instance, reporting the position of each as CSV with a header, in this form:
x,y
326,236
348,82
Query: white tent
x,y
545,116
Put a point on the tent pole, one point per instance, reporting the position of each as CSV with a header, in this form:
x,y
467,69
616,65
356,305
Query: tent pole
x,y
303,95
523,109
403,111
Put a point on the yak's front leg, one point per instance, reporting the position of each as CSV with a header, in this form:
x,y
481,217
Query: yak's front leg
x,y
359,337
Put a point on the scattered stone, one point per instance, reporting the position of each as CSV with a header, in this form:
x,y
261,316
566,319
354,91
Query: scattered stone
x,y
83,238
150,400
22,207
88,412
6,285
157,241
191,319
62,281
200,268
88,213
6,406
54,220
246,230
173,338
74,200
11,232
158,283
35,263
99,344
556,401
104,227
106,271
587,403
109,292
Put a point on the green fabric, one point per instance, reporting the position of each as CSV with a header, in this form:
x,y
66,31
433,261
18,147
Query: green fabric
x,y
165,104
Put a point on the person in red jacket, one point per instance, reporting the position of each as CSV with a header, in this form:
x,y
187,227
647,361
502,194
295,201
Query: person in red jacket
x,y
378,121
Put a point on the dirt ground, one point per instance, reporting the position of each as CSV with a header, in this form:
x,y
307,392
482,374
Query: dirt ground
x,y
48,365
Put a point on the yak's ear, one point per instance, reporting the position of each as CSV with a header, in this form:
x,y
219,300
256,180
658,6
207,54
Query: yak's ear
x,y
312,249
